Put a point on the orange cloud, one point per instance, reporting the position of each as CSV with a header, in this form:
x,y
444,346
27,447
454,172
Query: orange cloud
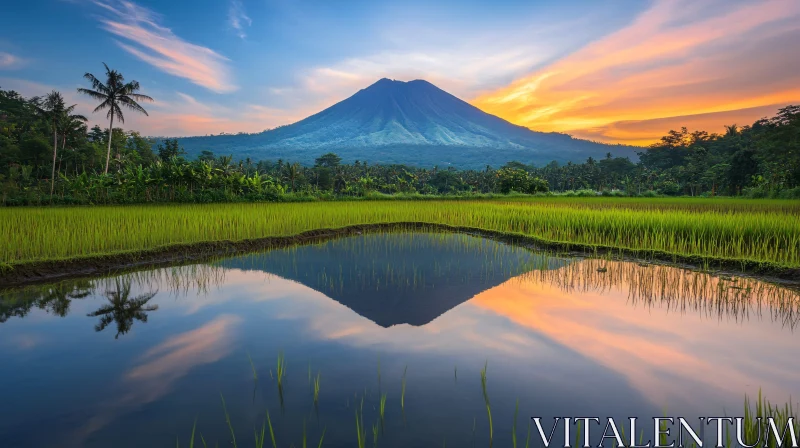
x,y
187,116
694,63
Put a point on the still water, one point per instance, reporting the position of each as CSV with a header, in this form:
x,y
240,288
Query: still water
x,y
135,360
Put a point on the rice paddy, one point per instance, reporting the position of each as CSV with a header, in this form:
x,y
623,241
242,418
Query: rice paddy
x,y
714,229
206,369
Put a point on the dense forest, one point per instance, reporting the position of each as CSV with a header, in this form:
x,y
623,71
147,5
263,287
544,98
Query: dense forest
x,y
48,155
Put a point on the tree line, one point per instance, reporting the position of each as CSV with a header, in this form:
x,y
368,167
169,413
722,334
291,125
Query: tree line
x,y
48,155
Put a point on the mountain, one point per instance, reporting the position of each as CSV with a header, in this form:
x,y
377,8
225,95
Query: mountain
x,y
413,123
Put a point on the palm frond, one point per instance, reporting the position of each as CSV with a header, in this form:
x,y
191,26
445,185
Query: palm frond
x,y
133,105
107,103
96,84
139,97
93,93
118,113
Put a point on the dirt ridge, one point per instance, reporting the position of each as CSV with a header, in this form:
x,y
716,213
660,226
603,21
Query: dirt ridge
x,y
100,265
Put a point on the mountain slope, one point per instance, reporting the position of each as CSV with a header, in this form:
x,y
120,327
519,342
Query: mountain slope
x,y
411,122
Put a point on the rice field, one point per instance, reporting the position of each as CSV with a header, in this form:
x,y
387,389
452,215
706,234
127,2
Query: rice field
x,y
747,230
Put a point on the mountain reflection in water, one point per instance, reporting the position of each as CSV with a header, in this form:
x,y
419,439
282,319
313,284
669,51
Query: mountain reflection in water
x,y
564,336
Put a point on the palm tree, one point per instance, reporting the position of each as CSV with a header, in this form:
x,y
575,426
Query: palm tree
x,y
57,299
73,128
112,94
731,130
58,114
293,171
122,309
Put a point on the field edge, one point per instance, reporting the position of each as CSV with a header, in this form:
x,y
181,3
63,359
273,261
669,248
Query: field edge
x,y
30,272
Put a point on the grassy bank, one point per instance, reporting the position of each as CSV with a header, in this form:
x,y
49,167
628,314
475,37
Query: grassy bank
x,y
764,232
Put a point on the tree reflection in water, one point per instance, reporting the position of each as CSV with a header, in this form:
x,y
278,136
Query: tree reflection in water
x,y
122,309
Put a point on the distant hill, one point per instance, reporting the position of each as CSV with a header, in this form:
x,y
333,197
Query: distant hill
x,y
413,123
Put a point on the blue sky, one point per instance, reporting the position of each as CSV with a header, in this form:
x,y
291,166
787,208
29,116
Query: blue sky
x,y
248,65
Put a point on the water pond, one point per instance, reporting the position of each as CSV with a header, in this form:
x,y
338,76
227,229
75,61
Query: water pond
x,y
409,320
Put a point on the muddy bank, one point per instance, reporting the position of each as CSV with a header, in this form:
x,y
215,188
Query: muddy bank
x,y
103,265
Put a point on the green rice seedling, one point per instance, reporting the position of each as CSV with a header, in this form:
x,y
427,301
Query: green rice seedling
x,y
375,434
191,439
361,432
280,369
260,438
486,399
528,437
764,409
382,406
757,231
403,391
228,421
316,388
271,431
253,366
514,427
322,437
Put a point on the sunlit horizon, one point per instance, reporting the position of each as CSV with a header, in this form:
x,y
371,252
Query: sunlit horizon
x,y
623,73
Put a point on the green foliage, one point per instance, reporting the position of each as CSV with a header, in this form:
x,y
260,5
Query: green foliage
x,y
329,160
761,160
518,180
169,148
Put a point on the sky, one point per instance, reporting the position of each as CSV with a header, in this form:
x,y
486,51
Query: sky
x,y
626,71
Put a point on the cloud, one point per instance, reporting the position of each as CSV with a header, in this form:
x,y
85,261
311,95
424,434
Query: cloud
x,y
160,368
9,61
462,60
161,48
238,19
185,115
677,59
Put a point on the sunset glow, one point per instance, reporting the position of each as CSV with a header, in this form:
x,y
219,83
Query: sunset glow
x,y
665,70
626,72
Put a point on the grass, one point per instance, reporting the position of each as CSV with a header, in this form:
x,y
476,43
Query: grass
x,y
280,369
488,406
228,421
403,391
361,432
253,366
725,229
316,389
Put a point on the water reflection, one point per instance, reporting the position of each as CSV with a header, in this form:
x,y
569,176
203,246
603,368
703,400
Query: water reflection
x,y
155,372
54,299
413,281
123,309
564,336
392,281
